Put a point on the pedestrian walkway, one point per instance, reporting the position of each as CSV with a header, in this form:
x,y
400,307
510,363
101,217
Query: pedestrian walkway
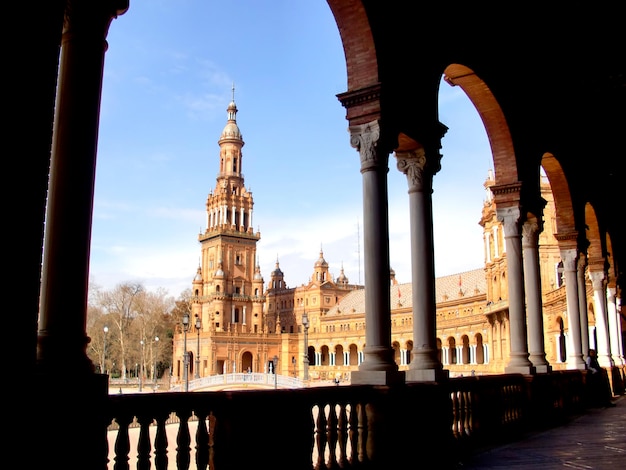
x,y
595,440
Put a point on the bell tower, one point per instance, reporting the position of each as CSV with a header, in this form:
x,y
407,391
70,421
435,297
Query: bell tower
x,y
230,298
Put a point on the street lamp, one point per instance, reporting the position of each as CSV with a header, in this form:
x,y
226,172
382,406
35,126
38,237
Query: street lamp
x,y
156,353
198,326
275,362
104,350
186,370
305,360
141,367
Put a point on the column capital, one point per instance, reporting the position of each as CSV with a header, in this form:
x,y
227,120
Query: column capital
x,y
569,256
91,18
413,164
510,217
365,138
530,232
597,279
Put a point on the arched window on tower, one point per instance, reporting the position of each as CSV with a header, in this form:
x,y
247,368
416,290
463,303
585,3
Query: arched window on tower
x,y
560,280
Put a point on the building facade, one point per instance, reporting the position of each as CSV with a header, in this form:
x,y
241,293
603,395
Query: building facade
x,y
240,324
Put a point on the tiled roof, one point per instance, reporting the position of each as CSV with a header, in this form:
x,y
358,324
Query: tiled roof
x,y
447,288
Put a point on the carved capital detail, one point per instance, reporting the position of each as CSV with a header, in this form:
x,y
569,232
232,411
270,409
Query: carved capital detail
x,y
568,256
530,233
597,279
365,138
412,163
510,217
92,18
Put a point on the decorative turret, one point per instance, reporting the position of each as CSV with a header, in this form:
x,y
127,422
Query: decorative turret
x,y
229,205
320,269
230,284
197,283
342,280
278,278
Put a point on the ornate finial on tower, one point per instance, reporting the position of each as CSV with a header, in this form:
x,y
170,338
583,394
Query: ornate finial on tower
x,y
233,91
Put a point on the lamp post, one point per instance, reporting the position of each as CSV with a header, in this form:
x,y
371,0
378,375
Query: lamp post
x,y
275,362
141,367
186,366
104,350
305,360
198,326
156,354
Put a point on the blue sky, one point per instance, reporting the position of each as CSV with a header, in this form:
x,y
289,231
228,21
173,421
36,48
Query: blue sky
x,y
169,70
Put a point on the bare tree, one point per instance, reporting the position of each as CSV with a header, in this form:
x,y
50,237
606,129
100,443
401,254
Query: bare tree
x,y
121,305
153,310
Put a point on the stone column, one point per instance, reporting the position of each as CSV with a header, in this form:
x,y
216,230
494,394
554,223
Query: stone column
x,y
532,278
62,338
378,366
582,303
518,360
425,365
620,343
602,329
614,327
61,335
574,354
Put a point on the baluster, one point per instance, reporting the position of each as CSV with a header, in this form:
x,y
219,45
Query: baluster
x,y
202,441
320,438
455,414
183,441
353,435
468,413
143,444
463,413
342,434
122,443
365,431
160,444
331,433
212,423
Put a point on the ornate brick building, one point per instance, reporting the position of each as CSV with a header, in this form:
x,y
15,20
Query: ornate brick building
x,y
244,324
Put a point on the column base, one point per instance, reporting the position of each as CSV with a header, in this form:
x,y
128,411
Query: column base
x,y
427,375
377,377
543,369
527,370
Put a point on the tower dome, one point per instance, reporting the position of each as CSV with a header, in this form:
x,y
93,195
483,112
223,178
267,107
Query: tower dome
x,y
220,271
231,129
321,262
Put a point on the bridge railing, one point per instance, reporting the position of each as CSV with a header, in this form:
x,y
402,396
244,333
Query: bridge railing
x,y
242,378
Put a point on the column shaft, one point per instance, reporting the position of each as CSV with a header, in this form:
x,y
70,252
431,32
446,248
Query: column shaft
x,y
532,279
378,366
602,329
425,365
62,337
518,361
582,303
614,326
574,356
